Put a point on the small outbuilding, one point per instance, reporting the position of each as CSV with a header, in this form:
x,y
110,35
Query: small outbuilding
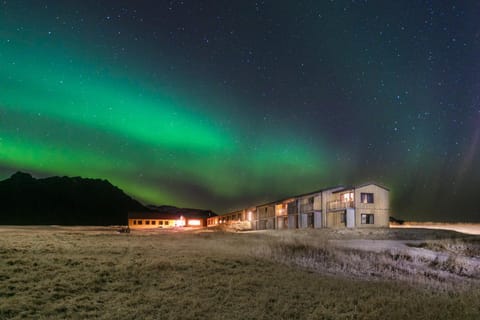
x,y
169,218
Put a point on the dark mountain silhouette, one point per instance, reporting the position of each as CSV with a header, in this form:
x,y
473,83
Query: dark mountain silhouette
x,y
25,200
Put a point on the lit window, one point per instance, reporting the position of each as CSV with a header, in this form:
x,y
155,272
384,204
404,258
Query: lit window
x,y
194,222
347,197
367,218
180,222
366,197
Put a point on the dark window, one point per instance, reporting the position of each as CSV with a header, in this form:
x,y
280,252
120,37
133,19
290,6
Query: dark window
x,y
160,223
134,221
140,222
166,223
310,220
310,200
154,222
147,222
367,218
366,197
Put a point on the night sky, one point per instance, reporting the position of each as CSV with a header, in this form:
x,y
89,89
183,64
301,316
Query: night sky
x,y
226,104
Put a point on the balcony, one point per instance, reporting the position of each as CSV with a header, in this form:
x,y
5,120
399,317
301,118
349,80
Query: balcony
x,y
339,204
308,207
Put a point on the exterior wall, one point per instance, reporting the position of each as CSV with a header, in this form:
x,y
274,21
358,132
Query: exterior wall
x,y
310,203
341,200
302,221
350,218
251,216
327,196
228,218
292,221
332,208
305,204
266,217
213,221
252,212
292,212
246,215
336,219
317,222
308,207
280,214
379,208
317,202
152,223
282,222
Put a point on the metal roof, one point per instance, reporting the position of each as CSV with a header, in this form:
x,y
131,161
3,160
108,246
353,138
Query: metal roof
x,y
361,185
336,190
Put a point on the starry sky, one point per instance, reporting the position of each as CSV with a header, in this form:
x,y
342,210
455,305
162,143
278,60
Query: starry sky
x,y
226,104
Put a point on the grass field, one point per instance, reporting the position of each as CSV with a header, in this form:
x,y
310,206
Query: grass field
x,y
79,273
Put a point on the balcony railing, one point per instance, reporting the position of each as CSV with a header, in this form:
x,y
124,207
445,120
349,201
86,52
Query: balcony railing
x,y
292,209
306,207
339,204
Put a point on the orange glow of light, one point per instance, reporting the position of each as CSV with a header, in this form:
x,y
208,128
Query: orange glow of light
x,y
180,222
347,197
194,222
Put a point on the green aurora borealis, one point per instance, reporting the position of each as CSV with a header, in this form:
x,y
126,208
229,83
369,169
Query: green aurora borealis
x,y
199,120
60,115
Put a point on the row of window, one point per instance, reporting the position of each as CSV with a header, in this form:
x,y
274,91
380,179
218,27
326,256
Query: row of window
x,y
151,222
364,197
224,219
366,218
292,207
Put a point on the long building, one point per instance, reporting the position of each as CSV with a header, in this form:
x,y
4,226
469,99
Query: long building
x,y
365,205
169,218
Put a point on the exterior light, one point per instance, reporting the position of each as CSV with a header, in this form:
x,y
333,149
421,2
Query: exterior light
x,y
194,222
180,222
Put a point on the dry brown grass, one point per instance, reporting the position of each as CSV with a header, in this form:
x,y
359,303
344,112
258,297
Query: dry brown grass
x,y
447,271
79,273
469,247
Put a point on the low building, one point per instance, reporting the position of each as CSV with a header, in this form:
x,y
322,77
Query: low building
x,y
177,218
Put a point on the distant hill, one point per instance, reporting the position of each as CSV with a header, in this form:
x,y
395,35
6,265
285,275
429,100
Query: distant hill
x,y
25,200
